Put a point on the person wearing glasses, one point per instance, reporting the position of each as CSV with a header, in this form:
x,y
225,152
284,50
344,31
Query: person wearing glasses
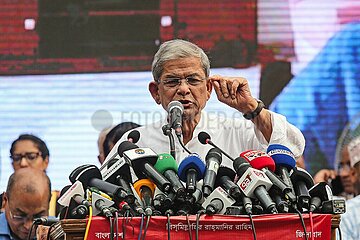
x,y
27,197
181,72
29,151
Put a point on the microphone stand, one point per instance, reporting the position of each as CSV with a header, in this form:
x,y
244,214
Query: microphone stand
x,y
167,132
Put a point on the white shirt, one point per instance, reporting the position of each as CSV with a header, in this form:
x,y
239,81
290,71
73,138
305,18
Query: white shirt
x,y
233,136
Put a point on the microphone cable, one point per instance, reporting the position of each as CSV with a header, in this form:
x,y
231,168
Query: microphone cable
x,y
111,221
198,214
88,223
252,225
146,226
167,131
183,146
339,230
117,225
141,226
311,225
302,222
168,223
48,233
189,226
31,229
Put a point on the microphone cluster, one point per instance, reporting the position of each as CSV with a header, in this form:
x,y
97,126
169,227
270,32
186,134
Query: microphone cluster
x,y
259,183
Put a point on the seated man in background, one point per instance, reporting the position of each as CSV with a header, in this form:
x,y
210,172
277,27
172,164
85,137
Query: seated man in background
x,y
27,197
181,72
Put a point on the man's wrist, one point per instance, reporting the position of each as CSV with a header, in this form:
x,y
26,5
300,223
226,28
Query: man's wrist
x,y
256,112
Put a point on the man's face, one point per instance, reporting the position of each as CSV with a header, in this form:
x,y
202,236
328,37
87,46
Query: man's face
x,y
192,94
346,172
22,208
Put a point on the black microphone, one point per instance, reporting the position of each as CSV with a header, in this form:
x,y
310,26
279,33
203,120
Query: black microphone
x,y
89,175
225,179
143,161
213,160
302,181
133,136
47,221
101,205
319,193
75,192
175,110
118,173
205,138
254,183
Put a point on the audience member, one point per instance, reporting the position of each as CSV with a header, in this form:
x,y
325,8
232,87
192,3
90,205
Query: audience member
x,y
350,221
115,134
29,151
27,197
100,142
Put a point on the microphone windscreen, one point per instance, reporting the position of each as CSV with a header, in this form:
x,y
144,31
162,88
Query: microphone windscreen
x,y
259,159
282,156
84,174
166,162
124,146
240,165
224,171
175,104
191,161
64,190
144,182
134,135
299,174
214,153
204,137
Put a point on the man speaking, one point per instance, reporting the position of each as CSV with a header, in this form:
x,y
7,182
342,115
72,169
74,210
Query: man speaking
x,y
181,72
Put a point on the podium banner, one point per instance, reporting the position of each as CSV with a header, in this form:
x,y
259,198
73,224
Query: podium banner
x,y
278,226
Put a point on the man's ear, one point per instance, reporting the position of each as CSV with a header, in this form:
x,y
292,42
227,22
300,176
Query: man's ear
x,y
5,200
154,90
209,88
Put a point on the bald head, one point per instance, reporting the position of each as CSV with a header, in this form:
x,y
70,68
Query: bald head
x,y
29,181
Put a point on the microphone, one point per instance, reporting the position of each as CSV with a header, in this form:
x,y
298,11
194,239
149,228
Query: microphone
x,y
191,170
284,160
175,110
145,189
302,181
166,165
319,193
118,173
218,201
101,205
254,183
213,160
143,161
90,176
47,221
75,192
133,136
205,138
262,161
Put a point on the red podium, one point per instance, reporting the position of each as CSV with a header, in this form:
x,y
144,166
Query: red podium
x,y
279,226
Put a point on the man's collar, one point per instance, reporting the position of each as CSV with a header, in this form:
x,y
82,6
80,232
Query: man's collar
x,y
4,226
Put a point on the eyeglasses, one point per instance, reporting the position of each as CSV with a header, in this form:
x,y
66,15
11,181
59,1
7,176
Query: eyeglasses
x,y
190,80
30,156
25,218
344,167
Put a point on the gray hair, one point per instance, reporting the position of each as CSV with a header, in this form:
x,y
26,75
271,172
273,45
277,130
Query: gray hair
x,y
175,49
